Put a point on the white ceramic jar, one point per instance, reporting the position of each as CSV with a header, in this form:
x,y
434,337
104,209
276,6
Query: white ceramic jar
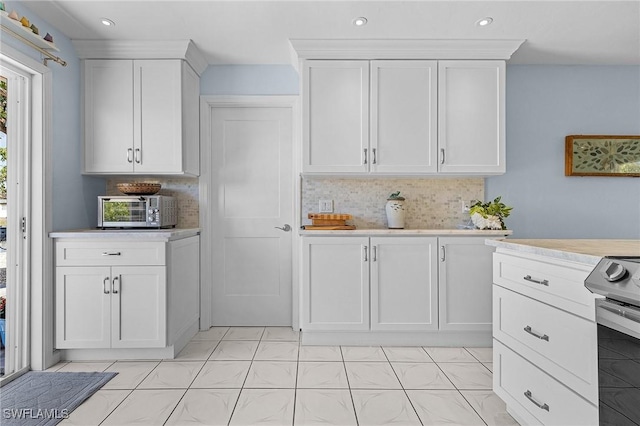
x,y
396,212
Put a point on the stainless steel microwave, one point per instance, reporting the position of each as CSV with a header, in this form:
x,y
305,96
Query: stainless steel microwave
x,y
134,211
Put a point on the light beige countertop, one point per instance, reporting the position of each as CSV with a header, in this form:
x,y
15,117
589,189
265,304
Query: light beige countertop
x,y
583,251
409,232
168,234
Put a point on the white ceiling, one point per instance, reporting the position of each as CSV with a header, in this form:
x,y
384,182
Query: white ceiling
x,y
257,32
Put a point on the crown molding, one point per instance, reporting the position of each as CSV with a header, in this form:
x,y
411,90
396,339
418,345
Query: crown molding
x,y
129,49
402,49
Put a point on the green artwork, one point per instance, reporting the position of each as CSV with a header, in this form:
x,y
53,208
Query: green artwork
x,y
602,155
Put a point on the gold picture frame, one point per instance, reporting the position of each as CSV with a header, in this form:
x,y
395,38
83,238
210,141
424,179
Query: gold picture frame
x,y
602,155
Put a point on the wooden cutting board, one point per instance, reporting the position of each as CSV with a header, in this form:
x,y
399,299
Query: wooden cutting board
x,y
330,216
329,227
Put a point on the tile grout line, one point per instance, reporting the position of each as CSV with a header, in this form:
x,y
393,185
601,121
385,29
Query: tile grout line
x,y
244,381
295,386
353,404
402,385
472,407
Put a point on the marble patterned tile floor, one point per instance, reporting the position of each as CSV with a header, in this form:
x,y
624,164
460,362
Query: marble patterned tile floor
x,y
263,376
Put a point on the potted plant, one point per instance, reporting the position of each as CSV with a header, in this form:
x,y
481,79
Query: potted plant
x,y
489,215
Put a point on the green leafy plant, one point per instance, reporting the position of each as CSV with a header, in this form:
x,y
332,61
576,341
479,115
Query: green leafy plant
x,y
495,208
395,196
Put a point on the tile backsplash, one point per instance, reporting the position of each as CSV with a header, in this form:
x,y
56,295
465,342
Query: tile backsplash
x,y
430,203
184,189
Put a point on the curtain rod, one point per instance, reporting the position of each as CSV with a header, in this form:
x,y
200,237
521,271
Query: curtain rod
x,y
48,55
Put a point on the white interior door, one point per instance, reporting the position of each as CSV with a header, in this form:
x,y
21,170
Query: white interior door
x,y
252,195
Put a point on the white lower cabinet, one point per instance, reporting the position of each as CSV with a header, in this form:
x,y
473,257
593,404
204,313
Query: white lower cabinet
x,y
396,284
545,400
125,294
545,361
404,284
118,307
336,284
465,284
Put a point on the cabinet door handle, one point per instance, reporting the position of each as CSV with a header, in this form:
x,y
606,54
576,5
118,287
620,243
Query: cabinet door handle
x,y
533,280
441,155
366,253
539,336
365,156
443,253
138,156
105,286
111,253
129,152
115,290
536,403
374,156
375,253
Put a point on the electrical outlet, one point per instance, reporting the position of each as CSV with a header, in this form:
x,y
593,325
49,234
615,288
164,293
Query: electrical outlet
x,y
325,206
465,206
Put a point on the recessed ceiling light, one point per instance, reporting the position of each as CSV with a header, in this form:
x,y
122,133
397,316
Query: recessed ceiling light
x,y
484,21
359,22
107,22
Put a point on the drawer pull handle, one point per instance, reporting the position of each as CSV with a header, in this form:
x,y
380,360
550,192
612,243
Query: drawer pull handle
x,y
537,404
114,290
105,288
111,253
365,156
533,280
366,253
375,253
531,332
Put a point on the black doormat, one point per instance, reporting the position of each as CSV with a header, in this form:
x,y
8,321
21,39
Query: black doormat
x,y
46,398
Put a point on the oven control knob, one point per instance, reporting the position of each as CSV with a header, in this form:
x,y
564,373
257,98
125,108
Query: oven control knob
x,y
150,211
612,271
151,218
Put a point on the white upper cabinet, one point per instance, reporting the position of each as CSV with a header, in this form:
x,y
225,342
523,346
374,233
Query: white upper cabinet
x,y
413,117
141,116
336,116
471,112
108,116
403,116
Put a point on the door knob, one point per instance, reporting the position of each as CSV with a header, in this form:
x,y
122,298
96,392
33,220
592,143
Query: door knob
x,y
285,228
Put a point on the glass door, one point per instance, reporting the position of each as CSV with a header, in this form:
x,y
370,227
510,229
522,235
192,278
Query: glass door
x,y
14,152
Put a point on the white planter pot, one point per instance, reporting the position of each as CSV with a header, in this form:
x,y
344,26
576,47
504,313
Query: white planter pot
x,y
395,214
490,222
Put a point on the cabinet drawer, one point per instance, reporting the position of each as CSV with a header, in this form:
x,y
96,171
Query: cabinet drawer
x,y
518,381
96,253
562,344
560,285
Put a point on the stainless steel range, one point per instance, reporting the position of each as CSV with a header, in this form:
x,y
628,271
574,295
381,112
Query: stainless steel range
x,y
618,318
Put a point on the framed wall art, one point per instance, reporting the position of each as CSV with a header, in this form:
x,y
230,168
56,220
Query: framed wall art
x,y
602,155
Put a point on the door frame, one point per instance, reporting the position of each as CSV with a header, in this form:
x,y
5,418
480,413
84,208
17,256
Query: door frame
x,y
40,292
208,203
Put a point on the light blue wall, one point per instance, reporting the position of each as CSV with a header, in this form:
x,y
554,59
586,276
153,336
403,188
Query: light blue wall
x,y
249,80
545,104
74,195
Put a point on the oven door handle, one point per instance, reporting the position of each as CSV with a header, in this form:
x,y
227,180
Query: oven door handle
x,y
620,311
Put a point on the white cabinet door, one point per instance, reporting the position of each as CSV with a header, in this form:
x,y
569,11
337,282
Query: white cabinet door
x,y
83,305
335,283
404,283
336,116
404,116
157,113
465,284
108,116
138,308
471,111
